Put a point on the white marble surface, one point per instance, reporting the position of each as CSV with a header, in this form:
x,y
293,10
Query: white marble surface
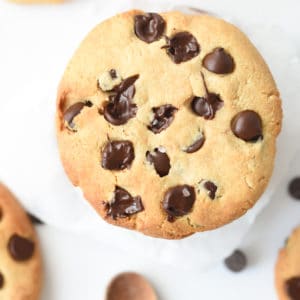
x,y
78,267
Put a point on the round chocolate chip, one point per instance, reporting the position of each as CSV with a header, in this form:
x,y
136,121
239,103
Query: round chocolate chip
x,y
247,125
179,201
211,188
219,62
197,145
117,155
292,287
20,248
73,111
294,188
182,47
149,27
1,280
123,204
236,262
161,161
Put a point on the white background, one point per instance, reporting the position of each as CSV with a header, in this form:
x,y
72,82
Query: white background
x,y
78,268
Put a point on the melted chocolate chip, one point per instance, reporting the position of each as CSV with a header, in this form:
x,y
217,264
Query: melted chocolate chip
x,y
149,27
113,73
182,47
236,262
247,125
75,110
1,280
120,108
197,145
294,188
34,220
163,117
123,204
292,287
219,62
211,188
20,248
117,155
160,160
179,201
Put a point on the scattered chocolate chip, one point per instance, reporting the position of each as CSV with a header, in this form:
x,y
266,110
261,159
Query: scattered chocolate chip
x,y
294,188
20,248
1,280
123,204
236,262
211,188
163,117
120,108
247,125
219,62
113,73
179,201
182,47
161,161
149,27
73,111
292,287
34,219
117,155
197,145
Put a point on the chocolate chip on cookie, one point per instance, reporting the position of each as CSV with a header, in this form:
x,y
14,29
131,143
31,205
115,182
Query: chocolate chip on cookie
x,y
123,204
236,262
247,125
292,286
294,188
117,155
179,201
1,280
73,111
149,27
161,161
20,248
211,189
196,145
219,62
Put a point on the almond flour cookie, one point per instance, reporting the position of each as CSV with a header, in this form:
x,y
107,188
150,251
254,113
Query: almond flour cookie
x,y
20,258
287,271
168,122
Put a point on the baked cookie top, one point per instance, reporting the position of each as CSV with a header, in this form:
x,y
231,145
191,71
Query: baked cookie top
x,y
287,271
168,122
20,258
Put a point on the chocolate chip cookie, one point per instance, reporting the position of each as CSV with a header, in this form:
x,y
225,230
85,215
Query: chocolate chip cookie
x,y
20,266
168,122
36,1
287,271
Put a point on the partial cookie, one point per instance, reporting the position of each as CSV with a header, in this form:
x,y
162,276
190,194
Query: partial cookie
x,y
168,122
287,271
36,1
20,257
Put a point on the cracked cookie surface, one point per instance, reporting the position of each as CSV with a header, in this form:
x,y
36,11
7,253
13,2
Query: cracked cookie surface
x,y
176,114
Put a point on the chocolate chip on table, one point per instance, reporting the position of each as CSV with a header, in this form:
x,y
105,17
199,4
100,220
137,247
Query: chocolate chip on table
x,y
1,280
219,61
73,111
34,219
236,262
179,201
117,155
182,47
294,188
163,117
20,248
195,146
247,125
161,161
123,204
292,287
149,27
211,188
120,108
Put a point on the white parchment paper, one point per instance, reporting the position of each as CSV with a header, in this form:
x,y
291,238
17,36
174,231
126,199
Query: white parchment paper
x,y
29,160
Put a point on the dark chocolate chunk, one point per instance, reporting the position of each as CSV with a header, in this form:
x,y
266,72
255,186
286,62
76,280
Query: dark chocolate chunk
x,y
236,262
219,62
211,188
163,117
182,47
247,125
179,201
123,204
294,188
75,110
20,248
197,145
113,73
149,27
34,220
1,280
160,160
117,155
292,287
120,108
